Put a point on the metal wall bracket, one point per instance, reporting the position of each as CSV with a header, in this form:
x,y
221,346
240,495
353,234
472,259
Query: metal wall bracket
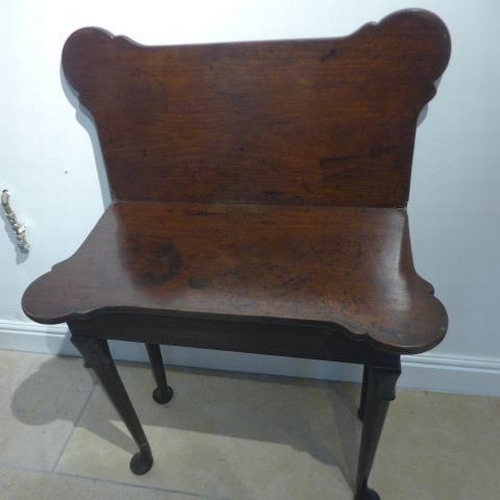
x,y
18,227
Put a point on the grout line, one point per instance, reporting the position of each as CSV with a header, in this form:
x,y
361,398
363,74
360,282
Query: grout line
x,y
75,425
53,471
109,481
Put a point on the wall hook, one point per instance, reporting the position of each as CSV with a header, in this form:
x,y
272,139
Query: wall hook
x,y
18,227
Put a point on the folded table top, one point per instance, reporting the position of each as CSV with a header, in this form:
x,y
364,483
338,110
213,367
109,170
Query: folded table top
x,y
343,266
264,181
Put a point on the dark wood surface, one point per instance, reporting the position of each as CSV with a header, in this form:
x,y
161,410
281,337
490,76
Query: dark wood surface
x,y
343,266
259,193
315,136
312,122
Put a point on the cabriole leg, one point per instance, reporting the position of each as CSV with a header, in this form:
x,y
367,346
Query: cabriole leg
x,y
379,392
163,392
97,356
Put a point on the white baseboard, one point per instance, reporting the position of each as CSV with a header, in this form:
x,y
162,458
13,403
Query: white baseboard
x,y
433,372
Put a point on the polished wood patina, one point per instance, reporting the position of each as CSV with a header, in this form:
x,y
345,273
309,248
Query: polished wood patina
x,y
259,205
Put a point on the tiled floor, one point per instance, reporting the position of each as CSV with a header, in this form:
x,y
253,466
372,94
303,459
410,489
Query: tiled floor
x,y
233,436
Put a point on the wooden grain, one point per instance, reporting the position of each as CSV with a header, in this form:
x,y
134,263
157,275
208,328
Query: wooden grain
x,y
256,181
259,193
336,265
311,122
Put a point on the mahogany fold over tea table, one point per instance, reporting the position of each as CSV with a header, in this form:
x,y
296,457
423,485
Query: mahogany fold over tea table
x,y
258,205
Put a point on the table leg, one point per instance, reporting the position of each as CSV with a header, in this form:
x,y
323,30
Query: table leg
x,y
380,390
361,409
97,356
163,392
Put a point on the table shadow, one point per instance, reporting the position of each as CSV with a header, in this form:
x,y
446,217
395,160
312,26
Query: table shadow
x,y
314,416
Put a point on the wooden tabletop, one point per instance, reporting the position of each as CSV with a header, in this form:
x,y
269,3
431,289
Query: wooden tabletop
x,y
238,172
343,266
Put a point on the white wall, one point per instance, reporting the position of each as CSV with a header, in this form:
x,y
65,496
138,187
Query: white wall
x,y
47,160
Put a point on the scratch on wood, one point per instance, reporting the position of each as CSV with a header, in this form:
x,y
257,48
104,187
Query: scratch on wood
x,y
329,55
205,213
282,122
332,160
199,283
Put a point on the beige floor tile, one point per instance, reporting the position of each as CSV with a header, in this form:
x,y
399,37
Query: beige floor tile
x,y
235,436
440,446
42,397
226,436
18,484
